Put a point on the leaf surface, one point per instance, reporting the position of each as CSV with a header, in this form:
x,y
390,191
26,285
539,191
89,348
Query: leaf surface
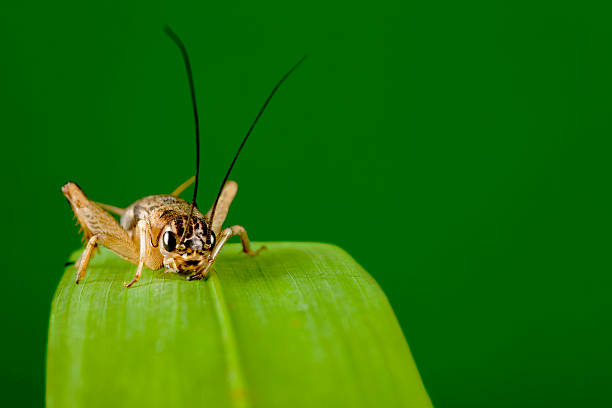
x,y
301,325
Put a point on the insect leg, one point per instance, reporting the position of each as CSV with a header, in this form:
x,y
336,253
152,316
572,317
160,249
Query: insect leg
x,y
225,200
183,186
98,223
142,230
83,261
244,238
225,235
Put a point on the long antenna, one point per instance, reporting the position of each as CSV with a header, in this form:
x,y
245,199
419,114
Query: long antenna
x,y
181,46
212,215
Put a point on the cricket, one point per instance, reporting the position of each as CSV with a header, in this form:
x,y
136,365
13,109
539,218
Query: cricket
x,y
164,229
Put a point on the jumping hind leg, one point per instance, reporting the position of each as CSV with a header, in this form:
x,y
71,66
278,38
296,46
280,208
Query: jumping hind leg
x,y
99,228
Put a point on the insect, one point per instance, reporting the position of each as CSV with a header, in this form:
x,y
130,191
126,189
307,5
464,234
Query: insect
x,y
165,230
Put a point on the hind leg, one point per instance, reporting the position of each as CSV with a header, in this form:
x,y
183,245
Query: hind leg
x,y
99,228
83,261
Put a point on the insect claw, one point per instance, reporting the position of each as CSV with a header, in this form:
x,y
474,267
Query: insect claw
x,y
195,276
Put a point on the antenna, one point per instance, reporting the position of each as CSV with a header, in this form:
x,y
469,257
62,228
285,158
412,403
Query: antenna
x,y
181,46
212,215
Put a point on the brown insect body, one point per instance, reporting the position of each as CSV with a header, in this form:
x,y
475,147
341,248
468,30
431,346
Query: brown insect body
x,y
154,225
164,230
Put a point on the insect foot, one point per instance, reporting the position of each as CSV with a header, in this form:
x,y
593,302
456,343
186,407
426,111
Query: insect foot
x,y
255,253
130,283
196,276
203,273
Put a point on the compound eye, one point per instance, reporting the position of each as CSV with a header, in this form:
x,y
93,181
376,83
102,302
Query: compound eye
x,y
211,239
169,241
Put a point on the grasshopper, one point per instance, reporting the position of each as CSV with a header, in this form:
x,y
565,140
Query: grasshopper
x,y
190,240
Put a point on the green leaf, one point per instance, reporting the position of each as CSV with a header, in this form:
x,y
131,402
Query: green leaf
x,y
300,325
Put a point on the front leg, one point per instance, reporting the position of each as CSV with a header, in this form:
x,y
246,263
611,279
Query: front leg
x,y
146,254
225,235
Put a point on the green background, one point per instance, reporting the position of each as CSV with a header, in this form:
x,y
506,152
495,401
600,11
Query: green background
x,y
460,151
